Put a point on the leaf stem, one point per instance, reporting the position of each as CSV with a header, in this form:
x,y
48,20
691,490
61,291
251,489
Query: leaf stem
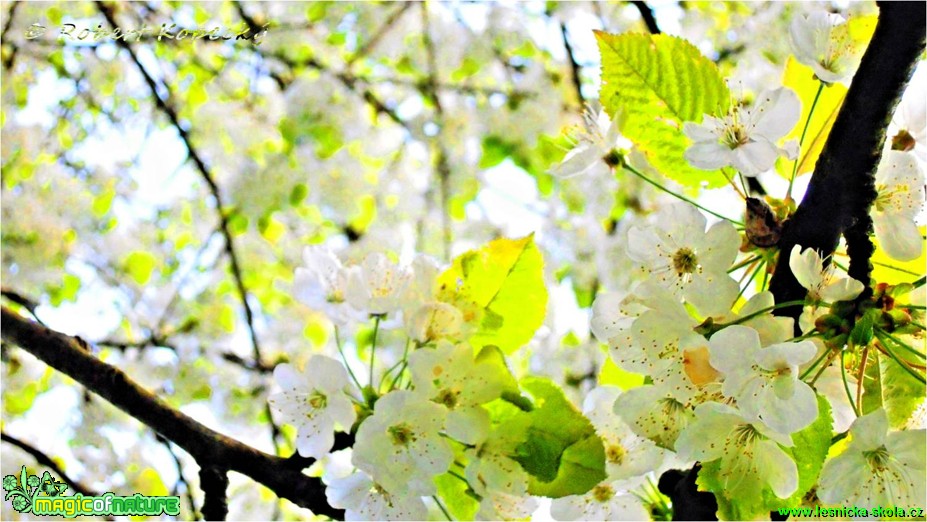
x,y
801,141
762,311
846,385
644,177
814,364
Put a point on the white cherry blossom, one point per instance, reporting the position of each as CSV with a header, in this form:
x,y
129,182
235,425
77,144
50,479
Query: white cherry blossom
x,y
363,499
322,285
764,381
378,285
678,252
908,130
609,500
751,458
899,183
822,284
746,137
596,140
878,467
822,42
449,375
627,455
652,412
400,445
314,401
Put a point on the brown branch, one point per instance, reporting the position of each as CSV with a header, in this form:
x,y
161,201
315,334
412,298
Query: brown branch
x,y
46,461
23,301
575,69
206,446
842,188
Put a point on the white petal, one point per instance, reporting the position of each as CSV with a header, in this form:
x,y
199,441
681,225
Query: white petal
x,y
777,112
806,267
755,157
708,156
777,467
898,236
289,378
733,349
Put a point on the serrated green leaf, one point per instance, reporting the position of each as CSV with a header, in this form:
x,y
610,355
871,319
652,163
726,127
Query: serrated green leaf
x,y
501,286
562,453
653,84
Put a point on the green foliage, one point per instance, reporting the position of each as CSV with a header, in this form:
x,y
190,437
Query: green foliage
x,y
457,497
652,84
502,286
139,265
562,453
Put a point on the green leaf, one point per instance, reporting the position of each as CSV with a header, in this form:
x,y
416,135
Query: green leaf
x,y
70,284
458,502
653,84
500,286
298,194
901,392
562,453
810,449
140,265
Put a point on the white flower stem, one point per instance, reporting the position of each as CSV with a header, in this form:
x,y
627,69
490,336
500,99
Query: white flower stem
x,y
801,140
344,359
404,362
641,175
846,385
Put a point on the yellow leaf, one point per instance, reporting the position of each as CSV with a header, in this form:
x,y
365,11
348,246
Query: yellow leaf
x,y
887,270
800,78
500,289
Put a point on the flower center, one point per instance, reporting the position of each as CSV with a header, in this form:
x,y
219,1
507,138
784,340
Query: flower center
x,y
897,198
603,492
447,397
903,141
735,132
877,458
746,434
318,400
672,406
615,454
401,434
335,297
685,261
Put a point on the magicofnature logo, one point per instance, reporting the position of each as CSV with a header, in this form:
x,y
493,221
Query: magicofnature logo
x,y
45,496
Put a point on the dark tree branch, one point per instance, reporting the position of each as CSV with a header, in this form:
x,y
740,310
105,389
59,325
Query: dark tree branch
x,y
214,482
207,176
46,461
647,15
181,479
23,301
575,69
10,57
842,187
65,354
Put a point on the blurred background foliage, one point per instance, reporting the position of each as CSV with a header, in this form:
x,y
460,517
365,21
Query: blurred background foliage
x,y
156,196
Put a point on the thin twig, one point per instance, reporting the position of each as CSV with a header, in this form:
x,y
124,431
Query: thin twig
x,y
48,462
